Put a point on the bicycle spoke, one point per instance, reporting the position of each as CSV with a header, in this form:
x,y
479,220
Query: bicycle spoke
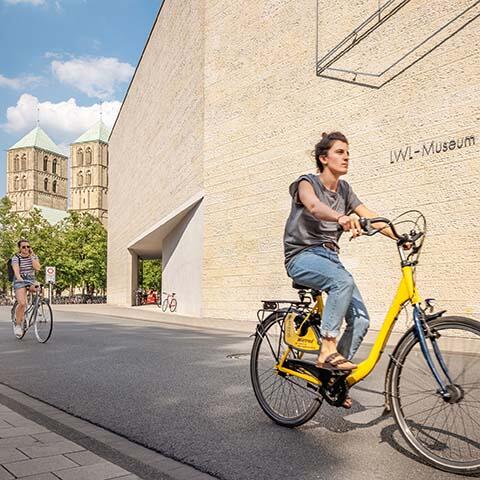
x,y
284,397
416,400
447,434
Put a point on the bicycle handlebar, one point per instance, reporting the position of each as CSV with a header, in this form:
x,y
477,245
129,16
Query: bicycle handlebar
x,y
366,225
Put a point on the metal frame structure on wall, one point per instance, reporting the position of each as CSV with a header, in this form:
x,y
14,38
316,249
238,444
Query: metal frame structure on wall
x,y
349,59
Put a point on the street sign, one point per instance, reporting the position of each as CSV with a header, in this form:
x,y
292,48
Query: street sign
x,y
50,274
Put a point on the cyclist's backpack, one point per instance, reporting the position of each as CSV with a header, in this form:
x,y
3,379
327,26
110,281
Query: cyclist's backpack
x,y
10,272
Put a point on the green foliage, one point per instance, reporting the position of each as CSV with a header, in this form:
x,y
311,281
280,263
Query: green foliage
x,y
9,235
76,246
152,274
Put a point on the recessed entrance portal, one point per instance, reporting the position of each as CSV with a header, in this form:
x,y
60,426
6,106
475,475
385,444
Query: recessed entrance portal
x,y
175,246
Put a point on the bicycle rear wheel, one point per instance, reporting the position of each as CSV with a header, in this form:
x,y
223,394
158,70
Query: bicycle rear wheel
x,y
444,432
44,322
289,401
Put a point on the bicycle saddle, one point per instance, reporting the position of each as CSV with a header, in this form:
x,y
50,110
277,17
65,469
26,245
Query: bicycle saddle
x,y
313,292
297,286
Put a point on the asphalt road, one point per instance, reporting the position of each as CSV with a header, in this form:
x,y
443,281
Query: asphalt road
x,y
176,390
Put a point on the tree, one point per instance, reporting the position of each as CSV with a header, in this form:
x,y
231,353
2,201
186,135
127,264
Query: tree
x,y
42,236
82,258
10,224
152,274
76,246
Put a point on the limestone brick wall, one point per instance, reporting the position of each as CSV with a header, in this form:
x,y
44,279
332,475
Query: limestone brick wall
x,y
265,108
156,148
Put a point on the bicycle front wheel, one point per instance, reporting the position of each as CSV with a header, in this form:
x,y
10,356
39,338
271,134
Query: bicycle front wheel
x,y
44,322
173,305
289,401
165,305
445,432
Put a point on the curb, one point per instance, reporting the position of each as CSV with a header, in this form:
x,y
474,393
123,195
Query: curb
x,y
141,461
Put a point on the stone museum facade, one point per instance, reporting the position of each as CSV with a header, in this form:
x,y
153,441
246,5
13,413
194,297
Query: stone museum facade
x,y
225,106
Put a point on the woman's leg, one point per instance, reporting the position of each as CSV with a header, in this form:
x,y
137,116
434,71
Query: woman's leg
x,y
357,321
21,296
321,269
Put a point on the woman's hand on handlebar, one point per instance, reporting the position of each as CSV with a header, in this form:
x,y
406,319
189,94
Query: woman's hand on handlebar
x,y
350,224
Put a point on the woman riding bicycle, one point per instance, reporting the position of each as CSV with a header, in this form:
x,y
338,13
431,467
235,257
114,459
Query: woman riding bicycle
x,y
24,263
321,211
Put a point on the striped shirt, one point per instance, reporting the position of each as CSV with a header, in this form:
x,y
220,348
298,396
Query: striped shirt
x,y
26,265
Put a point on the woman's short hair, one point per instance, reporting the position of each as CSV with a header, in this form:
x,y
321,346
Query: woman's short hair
x,y
324,145
23,240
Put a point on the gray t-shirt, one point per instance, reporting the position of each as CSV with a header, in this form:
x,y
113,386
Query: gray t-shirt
x,y
303,229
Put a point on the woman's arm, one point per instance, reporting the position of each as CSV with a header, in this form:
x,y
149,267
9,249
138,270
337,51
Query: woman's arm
x,y
16,271
363,211
314,206
35,262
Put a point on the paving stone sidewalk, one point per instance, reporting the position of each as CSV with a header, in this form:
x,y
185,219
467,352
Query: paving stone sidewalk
x,y
30,451
41,442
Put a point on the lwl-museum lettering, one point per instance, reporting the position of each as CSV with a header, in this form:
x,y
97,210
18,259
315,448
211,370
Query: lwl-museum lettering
x,y
431,148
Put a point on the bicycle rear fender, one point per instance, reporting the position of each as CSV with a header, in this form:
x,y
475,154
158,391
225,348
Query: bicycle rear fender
x,y
263,321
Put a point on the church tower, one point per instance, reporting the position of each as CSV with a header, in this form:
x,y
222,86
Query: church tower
x,y
89,172
36,173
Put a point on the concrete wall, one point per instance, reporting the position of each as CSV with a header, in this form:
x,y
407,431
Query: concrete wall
x,y
182,257
265,109
155,150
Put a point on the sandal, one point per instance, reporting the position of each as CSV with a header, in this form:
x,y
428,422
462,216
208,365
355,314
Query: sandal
x,y
336,362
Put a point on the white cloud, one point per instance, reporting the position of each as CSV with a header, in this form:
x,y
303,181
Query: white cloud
x,y
32,2
63,121
19,82
53,55
96,77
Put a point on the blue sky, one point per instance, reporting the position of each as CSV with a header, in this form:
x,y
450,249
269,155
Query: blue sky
x,y
65,58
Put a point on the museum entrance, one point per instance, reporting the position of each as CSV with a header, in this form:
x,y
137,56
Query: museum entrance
x,y
149,281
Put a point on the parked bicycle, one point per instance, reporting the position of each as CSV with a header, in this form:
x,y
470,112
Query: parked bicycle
x,y
169,302
38,315
432,383
5,300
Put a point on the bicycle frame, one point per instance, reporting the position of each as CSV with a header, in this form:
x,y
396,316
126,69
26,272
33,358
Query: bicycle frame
x,y
406,292
32,310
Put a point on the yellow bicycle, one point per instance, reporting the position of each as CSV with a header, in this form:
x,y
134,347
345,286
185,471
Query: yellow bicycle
x,y
432,383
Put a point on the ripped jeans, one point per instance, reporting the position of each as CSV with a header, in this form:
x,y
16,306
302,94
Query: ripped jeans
x,y
320,268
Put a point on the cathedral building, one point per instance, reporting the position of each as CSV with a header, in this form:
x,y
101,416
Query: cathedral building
x,y
89,172
37,175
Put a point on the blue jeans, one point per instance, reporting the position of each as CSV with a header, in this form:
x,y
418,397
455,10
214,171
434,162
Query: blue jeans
x,y
321,269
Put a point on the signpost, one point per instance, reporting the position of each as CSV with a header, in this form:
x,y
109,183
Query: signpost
x,y
50,273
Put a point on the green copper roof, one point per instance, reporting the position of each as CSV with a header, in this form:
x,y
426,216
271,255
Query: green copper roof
x,y
38,138
52,215
99,132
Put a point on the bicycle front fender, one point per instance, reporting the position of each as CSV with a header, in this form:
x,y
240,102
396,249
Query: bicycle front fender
x,y
394,354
